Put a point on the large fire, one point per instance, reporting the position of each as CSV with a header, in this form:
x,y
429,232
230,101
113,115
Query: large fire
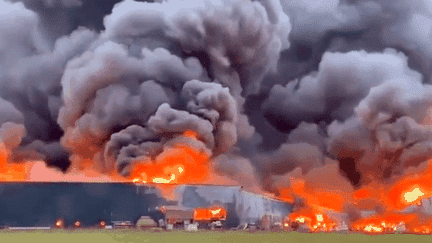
x,y
406,191
383,223
208,214
414,195
316,190
314,219
11,171
179,164
390,198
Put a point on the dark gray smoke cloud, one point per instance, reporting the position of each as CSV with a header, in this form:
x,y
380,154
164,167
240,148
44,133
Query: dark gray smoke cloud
x,y
268,86
242,39
361,96
210,111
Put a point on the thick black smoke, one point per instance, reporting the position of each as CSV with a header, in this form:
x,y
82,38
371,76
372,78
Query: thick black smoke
x,y
268,86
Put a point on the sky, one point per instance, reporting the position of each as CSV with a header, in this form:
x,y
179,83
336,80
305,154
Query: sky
x,y
264,91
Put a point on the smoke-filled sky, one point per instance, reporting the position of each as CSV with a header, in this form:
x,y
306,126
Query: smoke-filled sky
x,y
267,87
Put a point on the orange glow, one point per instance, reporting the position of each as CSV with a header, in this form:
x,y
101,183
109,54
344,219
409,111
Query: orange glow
x,y
314,219
215,212
413,195
162,209
208,214
370,196
383,223
201,214
179,164
407,190
422,228
371,228
38,171
410,189
363,193
77,224
102,224
321,187
314,196
59,223
190,134
11,171
218,213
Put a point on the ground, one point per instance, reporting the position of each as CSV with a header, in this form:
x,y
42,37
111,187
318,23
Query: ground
x,y
132,236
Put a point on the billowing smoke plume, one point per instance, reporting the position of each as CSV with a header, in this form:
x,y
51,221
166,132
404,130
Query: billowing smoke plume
x,y
265,90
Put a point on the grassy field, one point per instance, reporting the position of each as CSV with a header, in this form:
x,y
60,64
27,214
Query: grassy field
x,y
132,236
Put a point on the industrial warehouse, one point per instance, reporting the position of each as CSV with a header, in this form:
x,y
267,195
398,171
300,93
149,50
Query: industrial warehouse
x,y
118,205
73,205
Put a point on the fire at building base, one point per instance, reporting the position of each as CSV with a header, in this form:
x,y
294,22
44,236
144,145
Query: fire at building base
x,y
125,205
66,205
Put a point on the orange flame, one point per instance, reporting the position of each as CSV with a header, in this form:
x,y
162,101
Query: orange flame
x,y
383,223
314,219
59,223
408,190
179,164
361,194
413,195
421,227
208,214
9,171
327,190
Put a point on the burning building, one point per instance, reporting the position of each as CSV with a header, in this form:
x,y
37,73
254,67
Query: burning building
x,y
66,204
323,102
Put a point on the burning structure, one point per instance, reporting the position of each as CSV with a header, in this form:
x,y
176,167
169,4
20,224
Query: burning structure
x,y
325,105
66,204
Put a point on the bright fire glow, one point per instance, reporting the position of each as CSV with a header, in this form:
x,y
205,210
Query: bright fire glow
x,y
102,223
407,191
362,193
177,165
386,222
301,219
371,228
410,189
316,189
162,180
216,211
314,219
11,171
413,195
207,214
59,223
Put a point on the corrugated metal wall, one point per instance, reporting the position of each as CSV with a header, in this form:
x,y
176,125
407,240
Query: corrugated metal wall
x,y
40,204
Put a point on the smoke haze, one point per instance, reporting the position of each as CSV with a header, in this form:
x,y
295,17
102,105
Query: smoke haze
x,y
269,90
